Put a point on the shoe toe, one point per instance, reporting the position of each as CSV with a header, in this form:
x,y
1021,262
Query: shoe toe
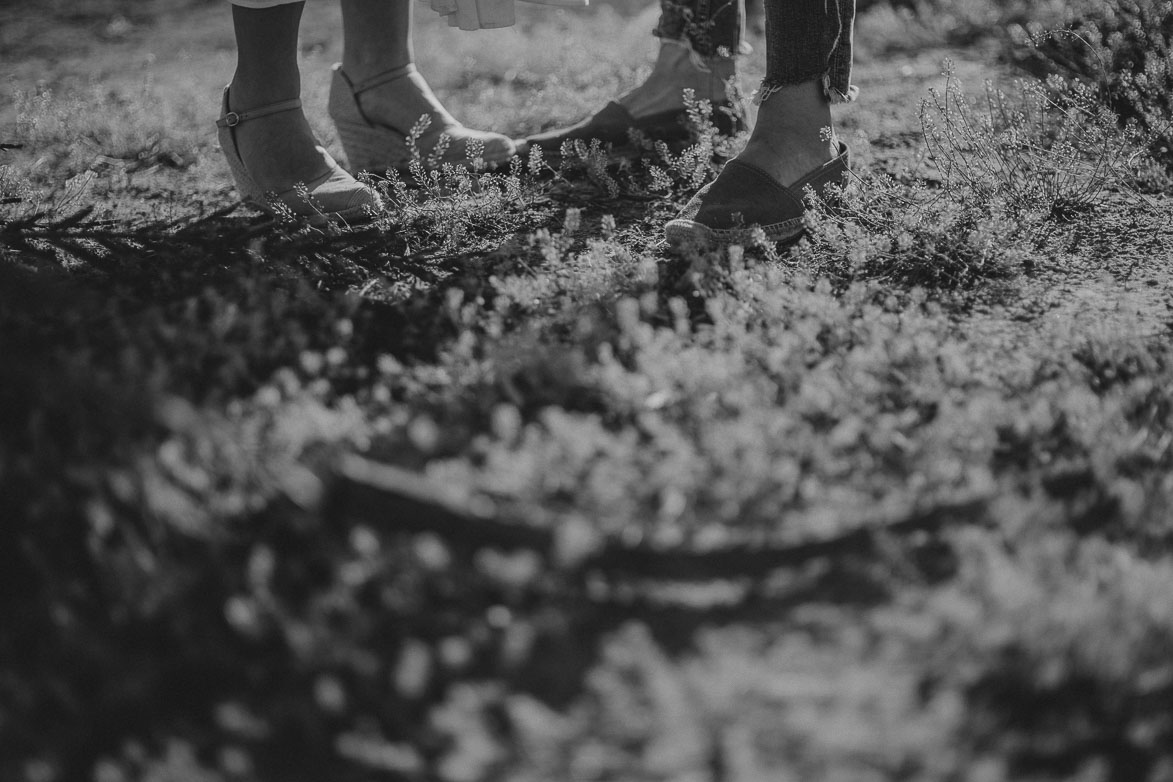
x,y
499,148
343,193
339,197
696,204
363,198
743,196
495,149
610,125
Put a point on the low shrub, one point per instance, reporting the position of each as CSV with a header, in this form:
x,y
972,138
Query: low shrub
x,y
81,132
1014,166
1124,49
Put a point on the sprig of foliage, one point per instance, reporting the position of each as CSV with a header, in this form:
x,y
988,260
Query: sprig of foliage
x,y
1015,167
82,133
182,608
1045,147
1124,49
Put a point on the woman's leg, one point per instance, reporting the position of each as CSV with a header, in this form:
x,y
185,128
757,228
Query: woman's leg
x,y
377,51
376,36
280,150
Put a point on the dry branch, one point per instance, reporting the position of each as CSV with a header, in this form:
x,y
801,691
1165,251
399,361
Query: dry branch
x,y
742,560
384,495
372,246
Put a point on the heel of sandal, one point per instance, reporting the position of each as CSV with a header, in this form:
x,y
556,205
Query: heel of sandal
x,y
371,148
368,147
333,197
246,186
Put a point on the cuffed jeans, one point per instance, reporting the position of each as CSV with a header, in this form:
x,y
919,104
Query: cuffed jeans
x,y
805,39
712,28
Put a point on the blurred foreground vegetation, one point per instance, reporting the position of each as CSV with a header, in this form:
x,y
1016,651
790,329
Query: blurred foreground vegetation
x,y
500,488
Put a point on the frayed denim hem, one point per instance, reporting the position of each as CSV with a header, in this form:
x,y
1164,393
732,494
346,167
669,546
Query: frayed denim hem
x,y
836,90
806,42
839,90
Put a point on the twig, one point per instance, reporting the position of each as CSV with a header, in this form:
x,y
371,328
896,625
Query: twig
x,y
368,246
744,560
385,495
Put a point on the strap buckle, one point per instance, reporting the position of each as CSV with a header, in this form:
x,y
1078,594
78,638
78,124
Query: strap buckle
x,y
231,119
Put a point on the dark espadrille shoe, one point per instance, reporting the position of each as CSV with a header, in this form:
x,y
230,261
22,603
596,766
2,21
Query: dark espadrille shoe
x,y
743,197
612,123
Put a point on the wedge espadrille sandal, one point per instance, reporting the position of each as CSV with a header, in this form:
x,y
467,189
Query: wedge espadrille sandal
x,y
744,198
378,147
334,197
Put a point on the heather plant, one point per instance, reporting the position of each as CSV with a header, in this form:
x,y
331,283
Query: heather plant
x,y
659,169
1045,147
692,166
90,132
914,25
1124,49
451,204
890,231
1047,697
498,487
1014,166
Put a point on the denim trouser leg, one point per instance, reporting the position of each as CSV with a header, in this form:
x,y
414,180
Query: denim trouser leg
x,y
809,39
712,28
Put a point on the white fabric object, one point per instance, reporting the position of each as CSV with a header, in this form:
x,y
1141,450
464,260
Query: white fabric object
x,y
262,3
488,14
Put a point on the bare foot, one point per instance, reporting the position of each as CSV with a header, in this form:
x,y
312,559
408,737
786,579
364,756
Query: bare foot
x,y
675,70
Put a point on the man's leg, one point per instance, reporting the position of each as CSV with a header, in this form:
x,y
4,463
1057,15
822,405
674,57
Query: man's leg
x,y
280,150
699,43
808,67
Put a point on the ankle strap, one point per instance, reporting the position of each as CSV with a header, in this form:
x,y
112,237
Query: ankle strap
x,y
233,118
379,78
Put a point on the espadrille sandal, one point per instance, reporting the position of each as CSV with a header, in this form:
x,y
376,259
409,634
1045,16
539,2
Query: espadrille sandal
x,y
743,198
613,125
378,147
335,196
